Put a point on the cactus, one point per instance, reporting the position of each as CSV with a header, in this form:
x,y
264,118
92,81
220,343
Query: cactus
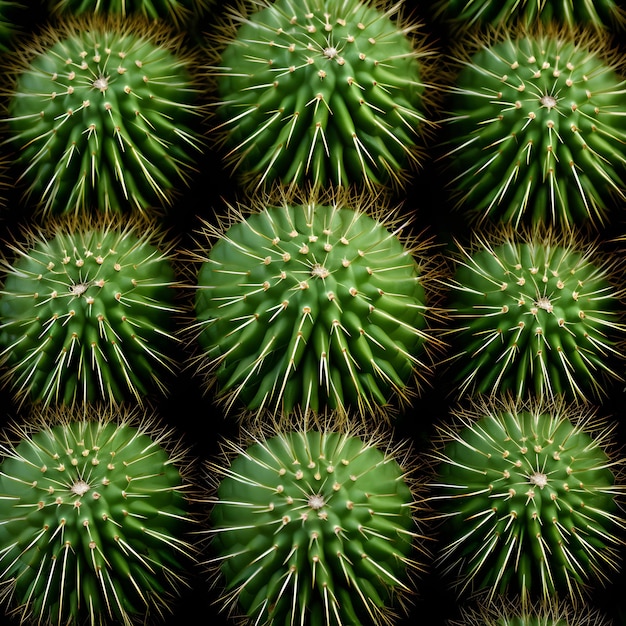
x,y
11,14
93,518
536,128
323,91
601,14
528,498
100,115
313,527
315,305
536,311
86,311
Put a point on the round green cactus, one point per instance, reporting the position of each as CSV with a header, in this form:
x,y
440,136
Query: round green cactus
x,y
101,113
86,312
528,498
93,519
536,311
602,14
315,305
536,128
314,528
326,91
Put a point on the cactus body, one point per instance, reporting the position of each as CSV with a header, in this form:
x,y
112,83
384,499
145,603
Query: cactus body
x,y
316,306
537,128
537,312
313,528
528,499
602,14
86,313
101,116
325,91
92,521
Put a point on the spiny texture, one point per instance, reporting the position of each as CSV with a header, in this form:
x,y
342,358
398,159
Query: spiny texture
x,y
537,311
323,91
100,115
536,128
313,528
92,519
602,14
312,305
86,312
528,499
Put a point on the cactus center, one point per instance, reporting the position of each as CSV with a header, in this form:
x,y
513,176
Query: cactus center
x,y
539,479
319,271
101,83
316,501
80,487
548,101
544,303
78,289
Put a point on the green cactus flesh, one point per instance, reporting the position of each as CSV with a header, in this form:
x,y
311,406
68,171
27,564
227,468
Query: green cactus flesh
x,y
87,314
536,313
527,494
91,519
536,131
316,306
101,117
602,14
324,90
313,528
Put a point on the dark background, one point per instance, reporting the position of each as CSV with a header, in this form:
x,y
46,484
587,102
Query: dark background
x,y
199,423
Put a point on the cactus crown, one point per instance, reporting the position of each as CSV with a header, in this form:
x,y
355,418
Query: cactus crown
x,y
528,497
325,91
93,515
314,527
86,311
328,308
101,112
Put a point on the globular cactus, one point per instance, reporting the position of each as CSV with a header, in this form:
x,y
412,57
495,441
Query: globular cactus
x,y
536,311
86,311
94,518
529,498
101,115
535,127
601,14
324,91
315,305
313,527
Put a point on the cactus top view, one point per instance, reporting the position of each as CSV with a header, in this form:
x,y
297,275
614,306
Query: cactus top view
x,y
86,312
102,115
318,305
93,519
535,127
314,528
325,91
537,311
528,498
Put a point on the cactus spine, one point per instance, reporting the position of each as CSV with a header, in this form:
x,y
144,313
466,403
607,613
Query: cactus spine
x,y
93,515
313,527
529,498
86,311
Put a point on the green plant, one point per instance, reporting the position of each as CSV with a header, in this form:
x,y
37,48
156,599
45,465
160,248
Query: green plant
x,y
313,527
326,91
528,497
86,311
536,127
93,517
11,14
602,14
536,311
100,113
315,304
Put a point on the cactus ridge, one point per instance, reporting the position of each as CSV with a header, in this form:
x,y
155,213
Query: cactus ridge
x,y
313,527
315,305
528,497
93,515
325,91
536,127
86,311
536,311
101,114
